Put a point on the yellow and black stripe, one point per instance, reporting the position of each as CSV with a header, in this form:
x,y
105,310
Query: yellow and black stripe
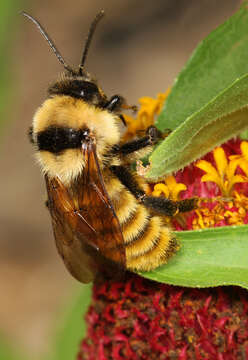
x,y
148,241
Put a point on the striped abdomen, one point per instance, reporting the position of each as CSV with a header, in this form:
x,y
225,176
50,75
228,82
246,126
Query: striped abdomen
x,y
148,241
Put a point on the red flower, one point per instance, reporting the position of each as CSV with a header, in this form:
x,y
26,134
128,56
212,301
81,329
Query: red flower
x,y
138,319
219,180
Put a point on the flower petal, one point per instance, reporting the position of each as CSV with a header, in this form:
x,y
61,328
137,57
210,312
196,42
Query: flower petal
x,y
215,179
207,167
244,166
244,149
231,168
220,160
161,188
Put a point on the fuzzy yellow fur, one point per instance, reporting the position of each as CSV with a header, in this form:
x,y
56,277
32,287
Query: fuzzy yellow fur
x,y
148,241
156,256
134,227
145,242
125,207
77,114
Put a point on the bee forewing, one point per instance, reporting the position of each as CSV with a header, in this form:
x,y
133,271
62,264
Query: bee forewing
x,y
85,226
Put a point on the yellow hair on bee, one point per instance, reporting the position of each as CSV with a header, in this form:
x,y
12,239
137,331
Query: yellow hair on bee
x,y
65,111
67,166
147,241
158,255
125,206
75,113
136,224
114,187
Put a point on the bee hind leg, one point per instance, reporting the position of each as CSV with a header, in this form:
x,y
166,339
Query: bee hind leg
x,y
159,204
169,207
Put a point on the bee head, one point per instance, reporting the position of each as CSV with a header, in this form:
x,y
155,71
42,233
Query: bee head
x,y
79,87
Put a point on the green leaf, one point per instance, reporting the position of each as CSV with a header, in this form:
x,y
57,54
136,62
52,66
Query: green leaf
x,y
224,116
73,328
210,78
219,60
7,352
244,135
209,257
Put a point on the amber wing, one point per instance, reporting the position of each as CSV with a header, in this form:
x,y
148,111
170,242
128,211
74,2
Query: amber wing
x,y
85,225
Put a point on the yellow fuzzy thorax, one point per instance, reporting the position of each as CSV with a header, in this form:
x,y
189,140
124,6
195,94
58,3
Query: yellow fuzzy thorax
x,y
65,111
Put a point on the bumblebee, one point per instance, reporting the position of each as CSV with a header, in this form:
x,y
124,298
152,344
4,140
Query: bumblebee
x,y
98,205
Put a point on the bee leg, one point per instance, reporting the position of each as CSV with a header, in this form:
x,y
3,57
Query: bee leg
x,y
123,120
153,135
169,207
128,180
134,108
187,204
116,103
157,203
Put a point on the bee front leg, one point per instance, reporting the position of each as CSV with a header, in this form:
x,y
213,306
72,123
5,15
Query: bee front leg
x,y
114,103
151,138
117,102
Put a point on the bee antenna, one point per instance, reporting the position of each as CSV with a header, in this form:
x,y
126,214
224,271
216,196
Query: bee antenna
x,y
50,42
93,26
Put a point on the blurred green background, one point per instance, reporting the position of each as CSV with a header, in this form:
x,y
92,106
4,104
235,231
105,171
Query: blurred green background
x,y
138,50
